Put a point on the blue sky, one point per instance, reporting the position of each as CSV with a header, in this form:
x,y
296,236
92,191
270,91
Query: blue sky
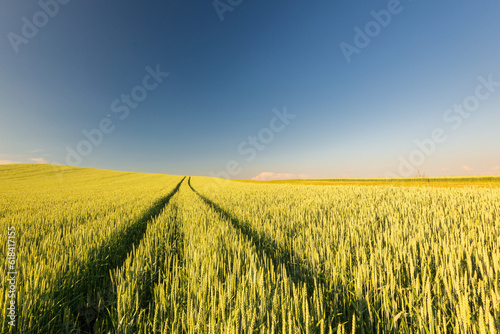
x,y
360,115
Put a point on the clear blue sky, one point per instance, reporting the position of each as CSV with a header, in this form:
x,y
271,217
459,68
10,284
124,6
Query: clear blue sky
x,y
352,119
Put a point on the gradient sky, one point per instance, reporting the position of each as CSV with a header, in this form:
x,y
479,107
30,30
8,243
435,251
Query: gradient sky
x,y
227,78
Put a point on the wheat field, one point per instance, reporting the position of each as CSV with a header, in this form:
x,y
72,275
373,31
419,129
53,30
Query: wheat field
x,y
114,252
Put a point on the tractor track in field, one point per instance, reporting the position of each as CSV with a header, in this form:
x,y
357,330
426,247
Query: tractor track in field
x,y
111,255
264,243
297,270
151,276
